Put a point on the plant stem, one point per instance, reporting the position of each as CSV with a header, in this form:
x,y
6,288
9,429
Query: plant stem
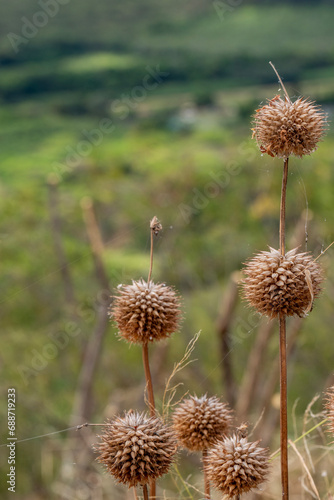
x,y
206,480
145,492
151,403
283,409
282,350
282,210
280,80
150,393
135,493
151,258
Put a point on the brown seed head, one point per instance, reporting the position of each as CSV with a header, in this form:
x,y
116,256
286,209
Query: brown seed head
x,y
276,284
155,226
329,405
146,312
283,128
235,466
200,422
136,448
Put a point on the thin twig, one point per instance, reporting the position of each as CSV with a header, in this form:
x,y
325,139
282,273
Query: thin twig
x,y
148,378
283,408
151,403
282,350
155,227
206,479
282,210
280,80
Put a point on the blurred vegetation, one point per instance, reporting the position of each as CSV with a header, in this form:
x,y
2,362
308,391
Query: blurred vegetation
x,y
180,150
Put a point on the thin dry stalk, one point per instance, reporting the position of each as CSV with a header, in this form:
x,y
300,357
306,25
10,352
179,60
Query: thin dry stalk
x,y
282,209
280,81
82,406
155,228
283,408
145,492
149,384
302,461
56,226
269,387
95,240
282,349
151,402
206,479
252,373
229,303
167,400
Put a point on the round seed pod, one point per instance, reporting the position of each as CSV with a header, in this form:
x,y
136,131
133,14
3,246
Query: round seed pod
x,y
235,466
277,284
136,449
146,312
200,422
283,128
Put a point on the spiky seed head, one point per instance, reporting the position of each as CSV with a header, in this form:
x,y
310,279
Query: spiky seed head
x,y
145,312
329,405
235,466
283,128
277,284
136,448
200,422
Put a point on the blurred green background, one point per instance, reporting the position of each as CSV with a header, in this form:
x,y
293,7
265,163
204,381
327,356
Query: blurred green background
x,y
111,113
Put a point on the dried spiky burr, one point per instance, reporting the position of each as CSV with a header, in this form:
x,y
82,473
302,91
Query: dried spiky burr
x,y
146,312
235,466
277,284
200,422
283,128
136,449
329,405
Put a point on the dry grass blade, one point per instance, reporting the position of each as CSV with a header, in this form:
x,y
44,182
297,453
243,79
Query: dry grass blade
x,y
169,392
302,461
305,420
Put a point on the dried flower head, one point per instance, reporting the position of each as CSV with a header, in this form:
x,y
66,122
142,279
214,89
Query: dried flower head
x,y
329,405
136,449
200,422
283,128
155,225
277,284
146,312
235,466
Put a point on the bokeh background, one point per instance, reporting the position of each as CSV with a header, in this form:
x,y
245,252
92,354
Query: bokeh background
x,y
111,113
